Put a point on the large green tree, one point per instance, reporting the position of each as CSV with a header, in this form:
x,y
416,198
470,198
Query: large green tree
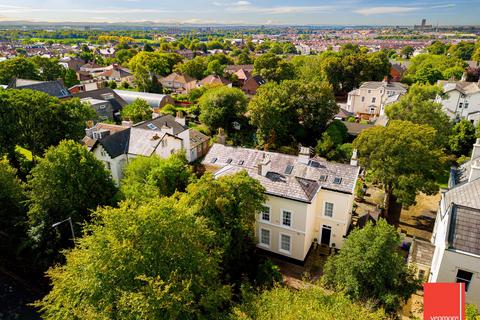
x,y
151,261
137,111
19,67
429,68
370,267
67,182
462,138
152,177
418,107
220,106
403,157
273,68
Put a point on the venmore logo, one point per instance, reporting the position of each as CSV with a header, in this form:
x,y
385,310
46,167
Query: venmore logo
x,y
444,301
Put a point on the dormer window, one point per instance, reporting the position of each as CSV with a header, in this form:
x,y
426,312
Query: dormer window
x,y
213,160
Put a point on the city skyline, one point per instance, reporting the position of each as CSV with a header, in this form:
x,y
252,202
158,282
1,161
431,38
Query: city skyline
x,y
251,12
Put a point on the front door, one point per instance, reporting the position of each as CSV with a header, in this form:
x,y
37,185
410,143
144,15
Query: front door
x,y
326,233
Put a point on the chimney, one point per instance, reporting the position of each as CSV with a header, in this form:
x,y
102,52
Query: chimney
x,y
354,159
264,166
180,118
127,124
474,170
89,132
476,150
385,80
221,137
167,129
304,155
464,77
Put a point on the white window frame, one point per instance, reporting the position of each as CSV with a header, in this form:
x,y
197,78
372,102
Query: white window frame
x,y
269,214
291,218
325,209
280,243
374,99
260,243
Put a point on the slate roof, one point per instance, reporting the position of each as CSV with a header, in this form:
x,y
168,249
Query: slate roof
x,y
422,253
301,184
464,87
465,194
397,86
54,88
197,138
464,229
165,120
355,128
117,103
117,143
234,68
211,79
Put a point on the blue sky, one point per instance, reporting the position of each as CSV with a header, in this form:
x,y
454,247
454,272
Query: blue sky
x,y
343,12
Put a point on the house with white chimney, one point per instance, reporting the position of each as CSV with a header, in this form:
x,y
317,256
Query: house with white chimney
x,y
309,199
456,235
115,145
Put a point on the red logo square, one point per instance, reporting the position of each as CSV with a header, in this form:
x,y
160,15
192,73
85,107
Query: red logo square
x,y
444,301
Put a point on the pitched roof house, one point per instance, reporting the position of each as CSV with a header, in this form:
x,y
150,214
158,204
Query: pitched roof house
x,y
54,88
456,235
105,94
307,198
161,136
176,82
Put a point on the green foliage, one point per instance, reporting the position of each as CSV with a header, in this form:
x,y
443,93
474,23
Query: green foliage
x,y
404,157
215,68
437,47
169,109
229,204
370,267
291,110
68,182
462,50
472,312
12,208
152,177
48,69
35,120
138,111
195,67
462,138
332,143
273,68
417,106
151,261
18,67
429,68
70,78
407,51
309,303
220,106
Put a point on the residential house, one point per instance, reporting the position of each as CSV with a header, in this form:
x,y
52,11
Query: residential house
x,y
112,101
251,85
231,69
308,199
73,63
371,98
160,136
456,235
461,99
103,108
155,100
54,88
92,67
213,80
116,73
176,82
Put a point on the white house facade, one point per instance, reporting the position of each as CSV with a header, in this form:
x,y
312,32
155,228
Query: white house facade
x,y
308,199
461,100
456,234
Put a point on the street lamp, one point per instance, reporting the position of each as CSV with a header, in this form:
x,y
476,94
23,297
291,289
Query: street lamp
x,y
69,219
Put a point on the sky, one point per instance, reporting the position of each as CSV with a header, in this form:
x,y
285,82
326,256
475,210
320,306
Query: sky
x,y
258,12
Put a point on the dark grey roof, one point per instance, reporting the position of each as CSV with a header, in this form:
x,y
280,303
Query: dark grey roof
x,y
422,252
397,86
464,229
117,143
165,120
117,103
465,194
301,184
54,88
355,128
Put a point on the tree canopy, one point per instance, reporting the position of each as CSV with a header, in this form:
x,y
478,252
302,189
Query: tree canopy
x,y
273,68
370,267
403,157
137,111
429,68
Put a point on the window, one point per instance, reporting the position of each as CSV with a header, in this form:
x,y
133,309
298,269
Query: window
x,y
285,243
229,160
328,212
213,160
464,277
108,166
337,180
265,213
286,218
265,237
373,99
466,105
151,126
421,274
288,169
460,105
363,99
240,162
314,164
369,91
323,178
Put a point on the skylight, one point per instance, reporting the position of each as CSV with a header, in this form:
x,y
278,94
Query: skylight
x,y
213,160
288,169
314,164
337,180
151,126
240,162
322,178
229,160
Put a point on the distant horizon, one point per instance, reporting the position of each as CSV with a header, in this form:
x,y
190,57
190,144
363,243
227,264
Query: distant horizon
x,y
243,12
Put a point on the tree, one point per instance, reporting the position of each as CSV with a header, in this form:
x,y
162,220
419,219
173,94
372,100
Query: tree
x,y
215,67
437,47
291,110
407,51
462,138
273,68
48,69
220,106
311,302
18,67
370,267
229,204
67,183
150,261
195,67
137,111
403,157
418,107
333,137
152,177
429,68
462,50
70,78
147,65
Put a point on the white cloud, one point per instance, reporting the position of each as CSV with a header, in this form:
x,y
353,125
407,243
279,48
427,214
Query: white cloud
x,y
385,10
283,10
450,5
